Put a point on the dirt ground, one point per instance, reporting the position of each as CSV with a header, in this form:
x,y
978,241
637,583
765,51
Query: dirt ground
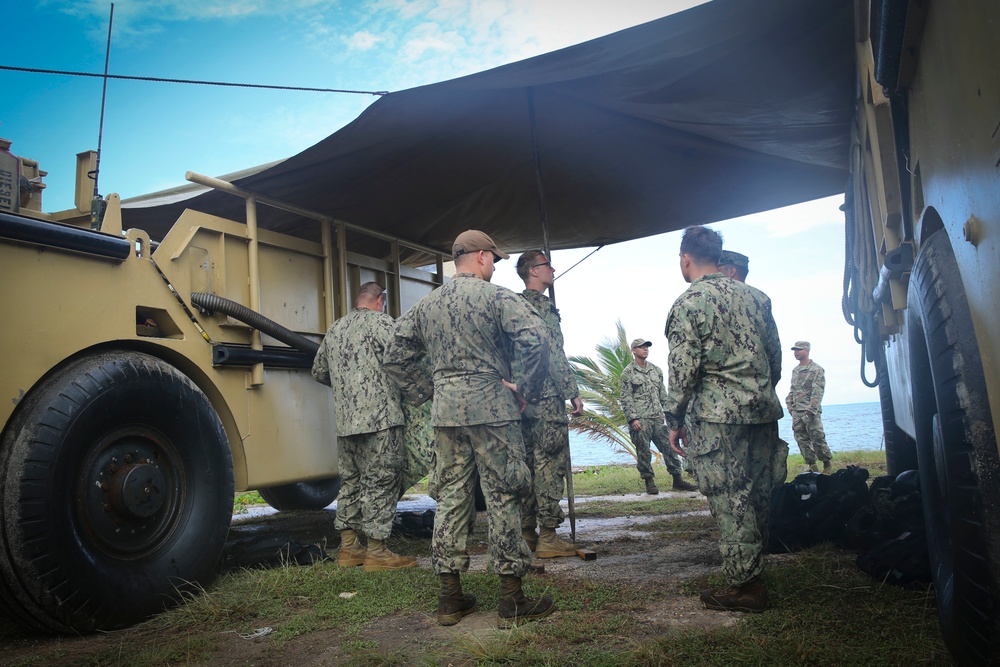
x,y
628,551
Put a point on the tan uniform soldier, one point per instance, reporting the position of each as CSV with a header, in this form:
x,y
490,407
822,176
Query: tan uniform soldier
x,y
804,402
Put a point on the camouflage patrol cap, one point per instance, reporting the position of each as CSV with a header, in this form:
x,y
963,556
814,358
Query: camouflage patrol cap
x,y
802,345
640,342
473,240
738,260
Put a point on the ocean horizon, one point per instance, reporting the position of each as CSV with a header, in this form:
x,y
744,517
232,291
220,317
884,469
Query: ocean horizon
x,y
848,426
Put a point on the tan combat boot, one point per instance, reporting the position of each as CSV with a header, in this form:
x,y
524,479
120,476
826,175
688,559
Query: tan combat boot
x,y
551,545
681,485
651,487
531,537
352,552
452,603
378,557
515,608
827,466
812,467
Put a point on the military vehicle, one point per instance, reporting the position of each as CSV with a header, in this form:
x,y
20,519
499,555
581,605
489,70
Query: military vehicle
x,y
923,213
146,381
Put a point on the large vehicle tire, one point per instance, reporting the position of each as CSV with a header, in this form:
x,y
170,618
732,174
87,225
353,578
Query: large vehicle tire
x,y
116,494
957,452
315,495
900,448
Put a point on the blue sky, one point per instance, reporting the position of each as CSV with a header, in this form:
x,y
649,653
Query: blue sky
x,y
154,132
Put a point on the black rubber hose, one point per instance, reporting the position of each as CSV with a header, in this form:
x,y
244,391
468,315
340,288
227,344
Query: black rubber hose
x,y
212,302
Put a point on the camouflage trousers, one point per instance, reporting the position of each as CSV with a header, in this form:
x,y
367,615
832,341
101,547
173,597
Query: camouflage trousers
x,y
810,437
653,429
418,443
498,452
738,465
546,443
371,468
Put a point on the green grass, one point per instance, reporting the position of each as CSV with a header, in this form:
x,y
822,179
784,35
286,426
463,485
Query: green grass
x,y
825,611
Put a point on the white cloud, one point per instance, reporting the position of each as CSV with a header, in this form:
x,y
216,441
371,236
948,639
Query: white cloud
x,y
363,40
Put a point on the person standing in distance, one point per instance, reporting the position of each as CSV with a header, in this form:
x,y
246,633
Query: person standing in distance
x,y
475,334
722,410
804,402
544,424
369,416
642,399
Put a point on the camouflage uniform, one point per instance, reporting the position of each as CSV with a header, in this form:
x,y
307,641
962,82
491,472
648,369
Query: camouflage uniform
x,y
369,416
725,358
808,383
473,331
545,426
642,397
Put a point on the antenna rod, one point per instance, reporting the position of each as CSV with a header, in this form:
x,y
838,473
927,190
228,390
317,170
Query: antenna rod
x,y
104,95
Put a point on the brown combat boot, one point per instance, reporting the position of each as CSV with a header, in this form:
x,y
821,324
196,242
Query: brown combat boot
x,y
812,467
750,597
352,552
827,466
531,537
452,603
651,487
681,485
551,545
378,557
515,608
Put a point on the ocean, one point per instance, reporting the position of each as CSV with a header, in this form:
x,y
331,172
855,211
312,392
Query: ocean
x,y
848,426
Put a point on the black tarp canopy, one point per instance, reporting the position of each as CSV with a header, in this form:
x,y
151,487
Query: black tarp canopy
x,y
726,109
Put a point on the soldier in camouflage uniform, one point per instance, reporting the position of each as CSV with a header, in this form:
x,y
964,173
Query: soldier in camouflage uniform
x,y
544,424
736,265
722,410
804,403
642,398
475,333
369,417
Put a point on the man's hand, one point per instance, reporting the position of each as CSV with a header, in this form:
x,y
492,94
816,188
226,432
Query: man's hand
x,y
521,403
577,404
677,436
635,424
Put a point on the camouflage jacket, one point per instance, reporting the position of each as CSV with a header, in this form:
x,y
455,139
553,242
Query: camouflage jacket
x,y
808,383
560,381
474,332
365,399
725,356
642,391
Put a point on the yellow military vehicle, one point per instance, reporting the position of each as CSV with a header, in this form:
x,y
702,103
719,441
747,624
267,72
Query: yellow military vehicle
x,y
144,381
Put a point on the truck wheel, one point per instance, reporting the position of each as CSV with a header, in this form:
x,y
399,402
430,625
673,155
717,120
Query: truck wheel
x,y
116,494
957,452
900,449
302,495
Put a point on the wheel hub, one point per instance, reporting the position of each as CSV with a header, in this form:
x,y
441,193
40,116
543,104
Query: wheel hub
x,y
137,490
130,491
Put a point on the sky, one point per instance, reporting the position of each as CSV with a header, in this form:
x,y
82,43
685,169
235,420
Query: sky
x,y
154,132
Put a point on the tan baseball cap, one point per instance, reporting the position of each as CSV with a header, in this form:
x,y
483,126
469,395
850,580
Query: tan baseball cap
x,y
473,240
802,345
640,342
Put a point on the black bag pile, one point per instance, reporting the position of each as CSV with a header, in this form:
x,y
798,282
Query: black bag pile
x,y
884,523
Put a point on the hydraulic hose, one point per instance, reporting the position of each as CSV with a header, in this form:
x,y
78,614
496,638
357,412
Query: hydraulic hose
x,y
212,302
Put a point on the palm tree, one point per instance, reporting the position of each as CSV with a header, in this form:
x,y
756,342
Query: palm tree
x,y
600,387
